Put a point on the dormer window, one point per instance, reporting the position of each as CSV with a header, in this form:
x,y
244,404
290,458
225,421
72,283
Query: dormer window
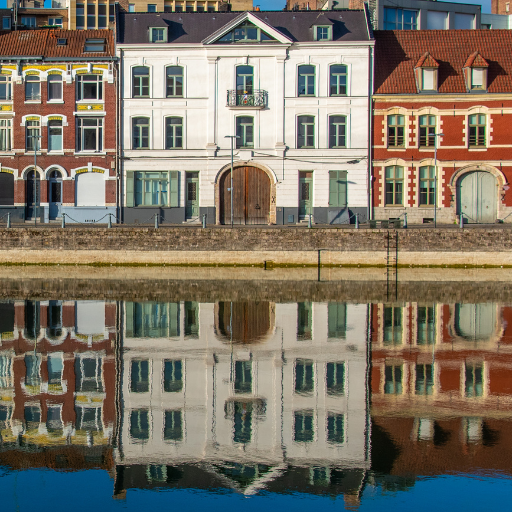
x,y
246,33
158,34
477,78
475,73
426,73
323,33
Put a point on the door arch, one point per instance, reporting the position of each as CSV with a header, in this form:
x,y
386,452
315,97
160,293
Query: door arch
x,y
32,194
251,196
477,197
55,194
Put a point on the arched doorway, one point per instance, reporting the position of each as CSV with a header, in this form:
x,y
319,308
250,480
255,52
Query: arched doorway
x,y
55,199
251,196
32,195
477,196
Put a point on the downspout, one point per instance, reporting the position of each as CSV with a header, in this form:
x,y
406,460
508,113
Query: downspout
x,y
119,152
370,140
117,159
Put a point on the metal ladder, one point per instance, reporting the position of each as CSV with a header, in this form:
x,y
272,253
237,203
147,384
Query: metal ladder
x,y
392,264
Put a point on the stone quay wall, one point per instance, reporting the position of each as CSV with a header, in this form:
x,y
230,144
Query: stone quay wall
x,y
255,246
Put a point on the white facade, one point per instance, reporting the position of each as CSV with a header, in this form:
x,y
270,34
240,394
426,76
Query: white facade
x,y
272,400
209,72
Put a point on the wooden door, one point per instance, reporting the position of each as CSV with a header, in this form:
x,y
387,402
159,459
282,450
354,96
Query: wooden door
x,y
477,194
192,191
251,196
305,193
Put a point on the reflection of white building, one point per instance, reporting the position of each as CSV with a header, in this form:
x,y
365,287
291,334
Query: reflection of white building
x,y
245,388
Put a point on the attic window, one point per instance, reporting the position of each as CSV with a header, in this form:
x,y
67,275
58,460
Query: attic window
x,y
246,33
477,78
158,35
62,42
94,45
426,71
323,33
428,79
475,73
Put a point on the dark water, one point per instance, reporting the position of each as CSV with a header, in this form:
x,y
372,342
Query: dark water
x,y
220,395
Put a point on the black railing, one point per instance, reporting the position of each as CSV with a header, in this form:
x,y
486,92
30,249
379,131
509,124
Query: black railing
x,y
256,99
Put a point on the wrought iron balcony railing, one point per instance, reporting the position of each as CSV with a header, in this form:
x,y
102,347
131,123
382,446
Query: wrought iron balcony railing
x,y
258,99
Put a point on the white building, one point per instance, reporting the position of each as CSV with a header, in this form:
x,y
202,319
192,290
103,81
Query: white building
x,y
294,87
261,387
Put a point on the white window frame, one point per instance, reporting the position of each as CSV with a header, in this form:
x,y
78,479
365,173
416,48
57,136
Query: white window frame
x,y
329,32
80,134
153,31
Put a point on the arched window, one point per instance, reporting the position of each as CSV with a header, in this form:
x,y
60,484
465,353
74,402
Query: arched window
x,y
140,82
174,82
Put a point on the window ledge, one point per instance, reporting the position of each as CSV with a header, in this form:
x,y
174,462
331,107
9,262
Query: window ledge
x,y
56,102
477,149
32,102
394,148
7,153
89,153
55,153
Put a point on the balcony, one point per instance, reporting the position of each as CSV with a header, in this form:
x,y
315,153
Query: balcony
x,y
256,100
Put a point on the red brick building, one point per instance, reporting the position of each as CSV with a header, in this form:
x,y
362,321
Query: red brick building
x,y
441,384
57,373
57,90
453,90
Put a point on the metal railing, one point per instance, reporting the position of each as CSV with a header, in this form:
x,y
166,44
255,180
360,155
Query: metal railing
x,y
256,99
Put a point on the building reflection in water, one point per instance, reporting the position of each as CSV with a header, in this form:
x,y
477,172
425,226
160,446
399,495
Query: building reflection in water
x,y
245,395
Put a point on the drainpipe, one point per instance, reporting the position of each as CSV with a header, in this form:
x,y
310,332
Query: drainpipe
x,y
119,141
370,108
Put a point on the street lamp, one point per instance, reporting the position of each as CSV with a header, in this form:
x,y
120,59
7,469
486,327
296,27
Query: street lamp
x,y
435,176
35,140
232,137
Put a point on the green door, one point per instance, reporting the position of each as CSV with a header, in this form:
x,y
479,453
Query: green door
x,y
477,193
192,205
305,193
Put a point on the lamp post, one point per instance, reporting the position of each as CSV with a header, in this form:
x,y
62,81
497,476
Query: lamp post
x,y
435,176
35,140
232,137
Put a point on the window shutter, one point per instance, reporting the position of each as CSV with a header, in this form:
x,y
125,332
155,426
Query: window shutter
x,y
130,194
338,188
129,319
333,188
174,190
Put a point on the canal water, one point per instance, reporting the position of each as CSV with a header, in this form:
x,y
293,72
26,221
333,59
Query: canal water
x,y
255,391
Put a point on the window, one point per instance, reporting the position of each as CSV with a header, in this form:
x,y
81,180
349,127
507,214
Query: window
x,y
139,376
32,366
304,321
478,79
393,380
173,377
88,419
140,133
5,135
91,18
242,419
392,325
464,21
338,80
337,132
173,430
94,45
436,20
304,382
424,379
335,428
305,132
337,320
90,134
338,189
427,131
244,80
400,19
61,41
131,7
28,21
474,382
151,7
6,380
54,87
335,378
5,88
102,16
32,416
477,130
427,186
426,325
323,33
158,35
174,82
153,189
32,88
33,133
55,367
303,427
394,185
396,131
89,87
173,133
55,22
88,373
54,420
306,83
245,132
191,319
55,135
80,18
6,23
245,33
112,13
428,79
243,377
151,319
139,424
140,82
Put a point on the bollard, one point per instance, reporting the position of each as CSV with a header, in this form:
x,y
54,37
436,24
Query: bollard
x,y
405,220
461,222
357,220
204,220
8,220
63,222
309,221
156,220
109,220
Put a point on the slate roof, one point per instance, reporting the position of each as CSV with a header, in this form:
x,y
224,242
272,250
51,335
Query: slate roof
x,y
398,51
43,43
194,27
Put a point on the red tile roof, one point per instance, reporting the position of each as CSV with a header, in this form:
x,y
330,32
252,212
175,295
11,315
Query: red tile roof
x,y
475,60
397,52
43,43
427,61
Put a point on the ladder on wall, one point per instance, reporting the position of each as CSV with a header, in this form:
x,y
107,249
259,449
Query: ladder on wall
x,y
392,264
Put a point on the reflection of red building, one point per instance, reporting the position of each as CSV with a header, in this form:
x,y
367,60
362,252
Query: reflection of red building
x,y
442,386
57,375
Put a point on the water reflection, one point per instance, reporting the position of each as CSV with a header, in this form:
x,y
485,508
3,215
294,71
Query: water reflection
x,y
315,396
